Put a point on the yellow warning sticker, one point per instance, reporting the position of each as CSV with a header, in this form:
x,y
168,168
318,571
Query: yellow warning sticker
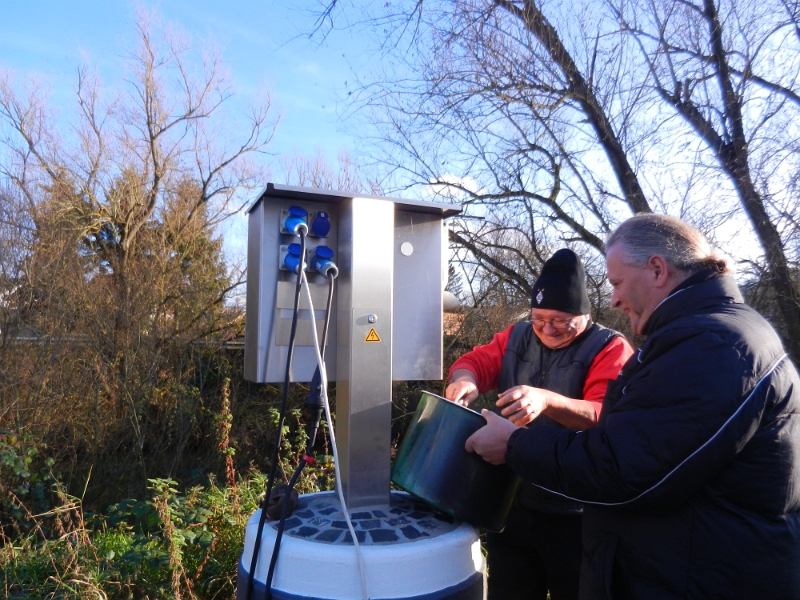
x,y
372,336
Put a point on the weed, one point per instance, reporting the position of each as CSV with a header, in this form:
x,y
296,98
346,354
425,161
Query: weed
x,y
175,545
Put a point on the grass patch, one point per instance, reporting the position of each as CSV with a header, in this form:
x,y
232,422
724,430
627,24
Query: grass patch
x,y
176,544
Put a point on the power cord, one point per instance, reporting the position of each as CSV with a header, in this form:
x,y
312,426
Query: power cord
x,y
324,391
318,391
302,230
315,406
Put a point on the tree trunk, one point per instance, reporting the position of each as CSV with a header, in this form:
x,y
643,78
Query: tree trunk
x,y
780,277
733,156
582,92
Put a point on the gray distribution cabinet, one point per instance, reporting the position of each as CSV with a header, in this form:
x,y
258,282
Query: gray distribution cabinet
x,y
387,311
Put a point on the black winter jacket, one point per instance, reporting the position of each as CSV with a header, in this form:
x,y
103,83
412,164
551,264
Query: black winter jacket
x,y
691,480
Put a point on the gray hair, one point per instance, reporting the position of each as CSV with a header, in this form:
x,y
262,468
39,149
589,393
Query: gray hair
x,y
684,247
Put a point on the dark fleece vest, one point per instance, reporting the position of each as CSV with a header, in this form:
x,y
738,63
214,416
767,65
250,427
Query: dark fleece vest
x,y
529,362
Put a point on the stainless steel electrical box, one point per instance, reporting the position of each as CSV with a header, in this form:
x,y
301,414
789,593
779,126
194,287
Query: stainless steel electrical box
x,y
387,311
405,244
271,292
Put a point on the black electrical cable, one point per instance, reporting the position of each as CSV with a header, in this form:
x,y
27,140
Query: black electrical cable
x,y
317,407
328,306
281,525
284,399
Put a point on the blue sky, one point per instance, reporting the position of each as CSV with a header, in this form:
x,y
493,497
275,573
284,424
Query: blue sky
x,y
263,42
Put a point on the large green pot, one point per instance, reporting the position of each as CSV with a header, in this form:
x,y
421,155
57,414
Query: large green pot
x,y
433,465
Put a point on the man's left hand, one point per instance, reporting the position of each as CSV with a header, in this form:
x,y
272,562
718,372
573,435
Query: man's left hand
x,y
491,441
521,404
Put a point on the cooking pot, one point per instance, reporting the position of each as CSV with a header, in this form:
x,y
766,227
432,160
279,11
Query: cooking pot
x,y
433,465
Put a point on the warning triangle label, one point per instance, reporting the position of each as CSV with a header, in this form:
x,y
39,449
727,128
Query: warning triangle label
x,y
372,336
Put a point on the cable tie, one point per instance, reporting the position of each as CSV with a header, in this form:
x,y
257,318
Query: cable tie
x,y
308,459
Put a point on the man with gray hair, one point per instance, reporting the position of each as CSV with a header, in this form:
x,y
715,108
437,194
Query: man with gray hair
x,y
691,480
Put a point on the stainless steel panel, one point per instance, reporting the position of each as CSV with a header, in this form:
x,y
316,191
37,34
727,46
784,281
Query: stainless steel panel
x,y
261,235
417,315
364,377
270,291
369,401
251,336
285,297
303,335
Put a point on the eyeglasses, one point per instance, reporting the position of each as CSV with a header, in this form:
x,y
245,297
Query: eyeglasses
x,y
557,324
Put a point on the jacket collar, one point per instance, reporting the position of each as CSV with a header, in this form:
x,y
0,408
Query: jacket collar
x,y
702,290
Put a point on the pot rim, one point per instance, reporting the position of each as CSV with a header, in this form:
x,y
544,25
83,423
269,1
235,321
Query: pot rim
x,y
469,410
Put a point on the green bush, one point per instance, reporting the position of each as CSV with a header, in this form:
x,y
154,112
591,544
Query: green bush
x,y
26,480
176,544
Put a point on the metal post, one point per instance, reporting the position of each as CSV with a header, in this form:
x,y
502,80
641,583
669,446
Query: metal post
x,y
364,353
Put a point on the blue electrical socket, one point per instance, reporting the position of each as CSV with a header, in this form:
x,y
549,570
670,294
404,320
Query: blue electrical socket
x,y
292,218
320,224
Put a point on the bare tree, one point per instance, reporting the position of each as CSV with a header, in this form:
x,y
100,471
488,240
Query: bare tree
x,y
489,89
316,172
581,90
731,70
120,270
483,104
565,118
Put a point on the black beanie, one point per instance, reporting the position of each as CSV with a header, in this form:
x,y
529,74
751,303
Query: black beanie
x,y
562,285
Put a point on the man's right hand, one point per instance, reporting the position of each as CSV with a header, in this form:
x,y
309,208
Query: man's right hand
x,y
462,389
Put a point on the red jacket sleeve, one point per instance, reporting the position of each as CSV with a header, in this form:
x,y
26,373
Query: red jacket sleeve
x,y
484,361
605,366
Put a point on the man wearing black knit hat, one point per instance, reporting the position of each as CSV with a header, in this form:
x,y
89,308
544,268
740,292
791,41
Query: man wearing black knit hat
x,y
551,371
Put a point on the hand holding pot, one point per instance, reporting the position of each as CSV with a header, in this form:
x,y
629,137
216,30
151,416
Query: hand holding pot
x,y
522,403
491,441
462,388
